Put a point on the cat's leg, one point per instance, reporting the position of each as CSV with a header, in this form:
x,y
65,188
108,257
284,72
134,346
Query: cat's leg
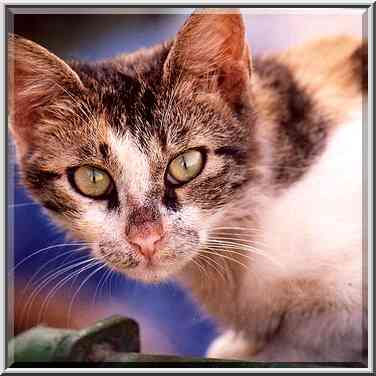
x,y
231,345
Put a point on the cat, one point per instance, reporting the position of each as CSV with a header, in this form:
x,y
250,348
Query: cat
x,y
238,176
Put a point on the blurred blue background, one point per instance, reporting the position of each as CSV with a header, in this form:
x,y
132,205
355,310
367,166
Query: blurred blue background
x,y
170,322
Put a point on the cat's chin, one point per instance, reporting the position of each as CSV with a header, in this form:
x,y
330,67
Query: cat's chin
x,y
150,274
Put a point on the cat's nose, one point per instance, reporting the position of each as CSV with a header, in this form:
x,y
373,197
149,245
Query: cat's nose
x,y
146,238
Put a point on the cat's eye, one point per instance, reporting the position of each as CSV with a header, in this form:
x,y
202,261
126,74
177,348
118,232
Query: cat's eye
x,y
91,181
185,167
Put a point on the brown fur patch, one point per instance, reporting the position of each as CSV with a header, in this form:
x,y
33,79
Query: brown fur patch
x,y
299,129
335,82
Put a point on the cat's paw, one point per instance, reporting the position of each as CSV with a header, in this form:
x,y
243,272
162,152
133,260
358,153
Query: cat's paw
x,y
231,345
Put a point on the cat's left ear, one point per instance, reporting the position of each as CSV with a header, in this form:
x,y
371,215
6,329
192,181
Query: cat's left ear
x,y
211,50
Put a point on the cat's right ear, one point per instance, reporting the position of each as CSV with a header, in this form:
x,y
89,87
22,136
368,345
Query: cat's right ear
x,y
36,78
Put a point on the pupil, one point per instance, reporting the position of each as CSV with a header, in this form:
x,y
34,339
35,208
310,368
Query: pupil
x,y
93,176
184,163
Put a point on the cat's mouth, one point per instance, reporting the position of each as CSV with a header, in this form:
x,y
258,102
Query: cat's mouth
x,y
159,266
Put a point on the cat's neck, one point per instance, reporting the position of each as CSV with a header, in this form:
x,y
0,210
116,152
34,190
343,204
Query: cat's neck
x,y
214,281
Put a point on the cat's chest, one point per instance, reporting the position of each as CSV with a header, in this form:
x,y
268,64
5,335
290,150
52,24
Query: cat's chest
x,y
314,229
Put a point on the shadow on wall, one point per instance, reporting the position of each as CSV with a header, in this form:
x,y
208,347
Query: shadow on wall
x,y
170,323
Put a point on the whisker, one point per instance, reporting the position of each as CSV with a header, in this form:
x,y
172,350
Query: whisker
x,y
46,281
250,229
100,285
221,249
212,263
195,261
70,252
231,243
224,256
22,204
247,248
45,249
102,280
60,284
49,276
110,279
234,243
70,308
236,239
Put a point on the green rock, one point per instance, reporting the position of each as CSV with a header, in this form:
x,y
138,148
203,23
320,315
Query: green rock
x,y
42,344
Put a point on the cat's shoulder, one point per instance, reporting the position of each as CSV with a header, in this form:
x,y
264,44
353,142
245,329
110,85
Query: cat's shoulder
x,y
332,72
339,61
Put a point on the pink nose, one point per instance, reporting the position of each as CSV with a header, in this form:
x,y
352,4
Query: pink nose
x,y
146,238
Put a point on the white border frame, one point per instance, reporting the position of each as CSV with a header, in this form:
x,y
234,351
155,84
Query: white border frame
x,y
369,164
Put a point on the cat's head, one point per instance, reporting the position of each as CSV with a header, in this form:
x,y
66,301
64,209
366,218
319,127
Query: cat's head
x,y
141,155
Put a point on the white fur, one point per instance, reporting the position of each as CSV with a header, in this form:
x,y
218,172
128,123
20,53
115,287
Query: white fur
x,y
229,345
315,228
312,232
135,165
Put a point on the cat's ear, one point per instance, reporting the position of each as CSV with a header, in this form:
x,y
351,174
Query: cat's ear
x,y
211,49
36,78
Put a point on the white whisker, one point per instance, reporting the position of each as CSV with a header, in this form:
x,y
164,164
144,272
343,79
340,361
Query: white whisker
x,y
60,284
70,252
45,249
221,249
196,262
236,239
212,263
246,248
22,204
46,281
70,308
224,256
101,283
246,229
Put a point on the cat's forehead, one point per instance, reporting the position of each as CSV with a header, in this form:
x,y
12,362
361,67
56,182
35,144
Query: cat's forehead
x,y
135,165
156,124
135,99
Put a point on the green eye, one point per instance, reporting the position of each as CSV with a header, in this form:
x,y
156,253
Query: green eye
x,y
92,181
185,167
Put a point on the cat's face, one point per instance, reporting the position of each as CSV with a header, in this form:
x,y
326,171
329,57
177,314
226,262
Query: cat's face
x,y
137,157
